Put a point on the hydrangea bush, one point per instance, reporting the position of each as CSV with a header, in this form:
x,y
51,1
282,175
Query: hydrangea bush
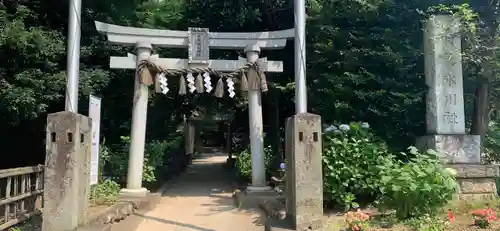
x,y
421,186
243,163
358,167
351,159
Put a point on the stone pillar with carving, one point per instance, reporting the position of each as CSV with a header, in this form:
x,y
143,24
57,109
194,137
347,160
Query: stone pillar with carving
x,y
304,173
445,117
67,171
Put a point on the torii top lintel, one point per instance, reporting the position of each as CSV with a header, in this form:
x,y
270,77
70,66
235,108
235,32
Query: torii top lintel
x,y
179,39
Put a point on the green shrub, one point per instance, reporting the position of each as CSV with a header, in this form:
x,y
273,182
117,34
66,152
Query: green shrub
x,y
421,186
105,192
156,153
154,156
351,159
243,163
358,167
491,142
104,155
116,165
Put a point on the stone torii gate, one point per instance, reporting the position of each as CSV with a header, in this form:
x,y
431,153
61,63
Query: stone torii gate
x,y
198,41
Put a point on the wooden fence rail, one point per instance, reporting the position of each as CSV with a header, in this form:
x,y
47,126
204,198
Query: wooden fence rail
x,y
21,191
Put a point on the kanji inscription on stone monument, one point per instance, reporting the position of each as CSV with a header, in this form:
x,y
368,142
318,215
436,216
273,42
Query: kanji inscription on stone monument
x,y
450,99
445,99
450,79
450,118
445,107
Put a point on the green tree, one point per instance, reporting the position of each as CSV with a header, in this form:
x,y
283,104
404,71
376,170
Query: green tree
x,y
366,65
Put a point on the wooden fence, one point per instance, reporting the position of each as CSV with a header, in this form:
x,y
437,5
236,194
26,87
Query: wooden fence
x,y
21,191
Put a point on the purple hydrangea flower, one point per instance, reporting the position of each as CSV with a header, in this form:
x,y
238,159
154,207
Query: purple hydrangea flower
x,y
282,166
330,128
344,127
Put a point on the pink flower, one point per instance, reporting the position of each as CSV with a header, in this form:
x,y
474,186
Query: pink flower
x,y
451,217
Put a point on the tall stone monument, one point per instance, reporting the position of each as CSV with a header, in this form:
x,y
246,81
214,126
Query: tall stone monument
x,y
445,117
67,171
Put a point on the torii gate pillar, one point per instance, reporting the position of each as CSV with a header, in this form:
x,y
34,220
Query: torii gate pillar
x,y
138,129
256,130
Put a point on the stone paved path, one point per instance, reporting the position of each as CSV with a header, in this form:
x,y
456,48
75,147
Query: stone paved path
x,y
200,200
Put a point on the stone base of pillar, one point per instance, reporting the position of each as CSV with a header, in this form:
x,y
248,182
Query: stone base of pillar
x,y
278,225
462,153
288,225
456,149
258,189
476,181
252,199
133,193
277,219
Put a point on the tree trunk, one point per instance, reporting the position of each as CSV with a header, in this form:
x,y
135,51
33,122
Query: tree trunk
x,y
488,31
480,117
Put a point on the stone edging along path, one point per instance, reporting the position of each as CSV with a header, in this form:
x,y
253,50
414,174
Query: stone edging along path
x,y
116,214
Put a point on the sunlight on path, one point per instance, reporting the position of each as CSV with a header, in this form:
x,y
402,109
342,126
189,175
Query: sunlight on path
x,y
200,200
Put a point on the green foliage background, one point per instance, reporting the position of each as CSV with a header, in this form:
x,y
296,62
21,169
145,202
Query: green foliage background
x,y
364,63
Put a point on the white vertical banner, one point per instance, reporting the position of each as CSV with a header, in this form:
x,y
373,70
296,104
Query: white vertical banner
x,y
95,115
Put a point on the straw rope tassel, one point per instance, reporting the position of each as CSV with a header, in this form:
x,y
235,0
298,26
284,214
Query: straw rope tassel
x,y
145,76
219,88
253,79
244,82
199,83
182,86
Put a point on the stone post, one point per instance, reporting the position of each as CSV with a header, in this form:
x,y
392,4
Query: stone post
x,y
304,172
256,130
67,171
138,131
445,117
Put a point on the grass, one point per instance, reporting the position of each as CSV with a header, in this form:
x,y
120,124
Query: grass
x,y
461,210
34,224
